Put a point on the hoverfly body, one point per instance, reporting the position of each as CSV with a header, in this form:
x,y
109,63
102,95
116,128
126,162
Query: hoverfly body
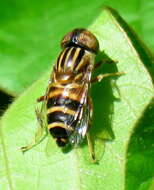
x,y
67,100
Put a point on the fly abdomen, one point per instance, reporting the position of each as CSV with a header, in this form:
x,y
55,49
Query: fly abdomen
x,y
59,116
63,101
61,123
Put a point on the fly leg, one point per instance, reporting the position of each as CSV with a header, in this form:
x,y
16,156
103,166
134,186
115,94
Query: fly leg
x,y
90,103
105,60
40,134
101,76
89,140
41,98
37,140
42,130
91,147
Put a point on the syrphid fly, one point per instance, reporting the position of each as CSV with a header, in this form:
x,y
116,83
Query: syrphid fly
x,y
67,103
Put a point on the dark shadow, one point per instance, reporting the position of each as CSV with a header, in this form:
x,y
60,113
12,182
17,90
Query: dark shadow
x,y
103,99
67,149
140,153
5,100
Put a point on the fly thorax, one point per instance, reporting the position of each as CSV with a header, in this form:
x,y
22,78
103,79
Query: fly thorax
x,y
64,77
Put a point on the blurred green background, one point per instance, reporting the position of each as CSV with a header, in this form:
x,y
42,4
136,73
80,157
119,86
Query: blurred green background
x,y
30,33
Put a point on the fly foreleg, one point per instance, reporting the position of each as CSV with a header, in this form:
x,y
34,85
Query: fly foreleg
x,y
101,76
104,61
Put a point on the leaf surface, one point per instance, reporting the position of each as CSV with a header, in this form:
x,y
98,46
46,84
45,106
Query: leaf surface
x,y
118,106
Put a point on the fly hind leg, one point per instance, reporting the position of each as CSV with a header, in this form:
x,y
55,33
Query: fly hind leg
x,y
91,147
39,137
89,139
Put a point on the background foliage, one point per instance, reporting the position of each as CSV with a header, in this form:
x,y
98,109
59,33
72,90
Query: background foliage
x,y
29,42
31,30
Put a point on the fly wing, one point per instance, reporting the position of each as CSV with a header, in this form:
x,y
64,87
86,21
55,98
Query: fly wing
x,y
41,131
40,111
80,120
81,127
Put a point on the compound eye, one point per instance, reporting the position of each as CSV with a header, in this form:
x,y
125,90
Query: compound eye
x,y
81,38
66,39
88,40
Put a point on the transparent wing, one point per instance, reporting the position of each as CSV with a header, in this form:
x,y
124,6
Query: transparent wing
x,y
82,115
80,121
41,115
81,127
41,131
40,111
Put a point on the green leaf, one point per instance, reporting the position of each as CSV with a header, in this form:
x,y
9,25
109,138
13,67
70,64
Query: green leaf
x,y
140,153
29,31
138,14
119,107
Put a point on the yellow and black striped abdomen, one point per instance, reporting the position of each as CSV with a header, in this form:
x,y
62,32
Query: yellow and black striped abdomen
x,y
61,113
